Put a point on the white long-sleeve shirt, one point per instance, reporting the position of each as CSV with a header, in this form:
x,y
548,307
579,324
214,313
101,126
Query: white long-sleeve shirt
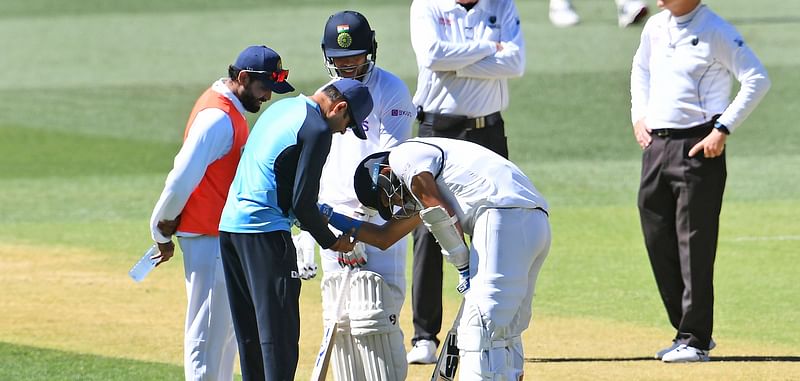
x,y
681,73
460,70
387,125
210,137
469,177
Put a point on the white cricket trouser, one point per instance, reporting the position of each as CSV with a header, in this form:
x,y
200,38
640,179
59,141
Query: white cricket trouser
x,y
507,251
209,342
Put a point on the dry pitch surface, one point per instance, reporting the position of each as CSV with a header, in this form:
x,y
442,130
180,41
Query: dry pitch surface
x,y
69,300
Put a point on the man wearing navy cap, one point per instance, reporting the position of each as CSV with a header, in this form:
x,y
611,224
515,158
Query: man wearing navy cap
x,y
276,185
194,194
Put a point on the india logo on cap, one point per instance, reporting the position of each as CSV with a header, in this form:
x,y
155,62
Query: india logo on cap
x,y
342,28
344,40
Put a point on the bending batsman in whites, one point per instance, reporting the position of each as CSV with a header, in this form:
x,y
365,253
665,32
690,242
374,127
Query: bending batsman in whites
x,y
369,342
192,202
276,184
681,114
455,187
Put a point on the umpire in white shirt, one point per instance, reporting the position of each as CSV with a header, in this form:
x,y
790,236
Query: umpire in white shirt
x,y
682,116
466,50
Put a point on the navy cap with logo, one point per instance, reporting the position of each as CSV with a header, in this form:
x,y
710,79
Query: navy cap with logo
x,y
359,102
348,34
266,66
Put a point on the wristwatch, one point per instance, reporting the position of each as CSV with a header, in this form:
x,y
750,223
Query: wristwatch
x,y
721,128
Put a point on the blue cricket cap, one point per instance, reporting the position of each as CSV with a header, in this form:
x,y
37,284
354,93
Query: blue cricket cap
x,y
359,102
266,63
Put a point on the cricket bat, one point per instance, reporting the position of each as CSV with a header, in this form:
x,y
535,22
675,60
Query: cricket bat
x,y
329,334
447,364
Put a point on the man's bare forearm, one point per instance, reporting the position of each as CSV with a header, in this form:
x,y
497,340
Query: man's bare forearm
x,y
386,235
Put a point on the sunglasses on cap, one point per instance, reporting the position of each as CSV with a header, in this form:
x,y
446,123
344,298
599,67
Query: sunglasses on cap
x,y
275,76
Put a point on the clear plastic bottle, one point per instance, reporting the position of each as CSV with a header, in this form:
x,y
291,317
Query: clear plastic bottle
x,y
144,265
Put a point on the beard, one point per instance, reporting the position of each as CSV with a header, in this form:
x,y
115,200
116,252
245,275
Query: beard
x,y
249,101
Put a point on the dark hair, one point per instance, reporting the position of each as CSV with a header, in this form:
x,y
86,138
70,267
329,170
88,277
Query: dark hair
x,y
333,93
233,72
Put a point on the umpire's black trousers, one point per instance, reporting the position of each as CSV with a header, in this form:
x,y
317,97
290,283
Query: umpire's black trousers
x,y
679,205
426,286
264,297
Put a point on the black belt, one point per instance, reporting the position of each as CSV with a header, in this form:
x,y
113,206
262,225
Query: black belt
x,y
683,133
448,121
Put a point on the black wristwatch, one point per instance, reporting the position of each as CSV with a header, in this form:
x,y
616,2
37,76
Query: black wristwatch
x,y
721,128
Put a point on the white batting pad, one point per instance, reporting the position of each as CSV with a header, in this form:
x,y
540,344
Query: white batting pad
x,y
486,351
330,286
374,310
344,364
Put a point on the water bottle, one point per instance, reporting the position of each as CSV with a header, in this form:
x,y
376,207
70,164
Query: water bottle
x,y
144,265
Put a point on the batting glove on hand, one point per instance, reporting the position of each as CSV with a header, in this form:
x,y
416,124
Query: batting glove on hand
x,y
305,245
355,258
463,280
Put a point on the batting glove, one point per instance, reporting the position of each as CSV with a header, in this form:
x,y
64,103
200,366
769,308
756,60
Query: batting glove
x,y
305,245
355,258
463,280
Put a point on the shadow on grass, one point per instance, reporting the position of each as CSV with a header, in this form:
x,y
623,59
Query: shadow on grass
x,y
20,362
620,359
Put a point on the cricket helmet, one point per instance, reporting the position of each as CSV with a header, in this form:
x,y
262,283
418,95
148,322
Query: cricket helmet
x,y
373,179
348,34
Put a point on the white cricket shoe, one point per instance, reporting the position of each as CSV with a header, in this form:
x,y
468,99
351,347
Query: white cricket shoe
x,y
631,12
660,354
562,14
423,352
685,353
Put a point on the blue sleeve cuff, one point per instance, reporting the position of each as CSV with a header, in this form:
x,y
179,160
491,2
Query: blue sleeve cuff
x,y
340,221
345,224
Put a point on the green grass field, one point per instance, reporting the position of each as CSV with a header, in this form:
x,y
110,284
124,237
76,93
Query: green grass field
x,y
94,96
